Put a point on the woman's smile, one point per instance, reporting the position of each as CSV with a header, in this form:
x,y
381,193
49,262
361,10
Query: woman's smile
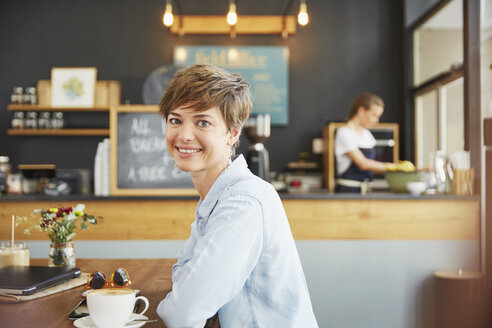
x,y
188,151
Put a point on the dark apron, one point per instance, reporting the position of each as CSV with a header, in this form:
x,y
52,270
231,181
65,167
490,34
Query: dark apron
x,y
354,173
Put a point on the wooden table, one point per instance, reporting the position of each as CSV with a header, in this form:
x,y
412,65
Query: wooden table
x,y
151,276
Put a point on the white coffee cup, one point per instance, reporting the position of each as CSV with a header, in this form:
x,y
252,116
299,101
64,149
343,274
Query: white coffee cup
x,y
113,307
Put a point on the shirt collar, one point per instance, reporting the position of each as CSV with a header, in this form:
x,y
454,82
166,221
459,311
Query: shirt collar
x,y
223,181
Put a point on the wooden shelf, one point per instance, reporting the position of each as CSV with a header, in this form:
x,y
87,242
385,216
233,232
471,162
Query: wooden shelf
x,y
38,108
58,132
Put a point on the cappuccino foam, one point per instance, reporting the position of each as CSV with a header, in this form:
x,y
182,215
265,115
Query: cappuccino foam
x,y
113,291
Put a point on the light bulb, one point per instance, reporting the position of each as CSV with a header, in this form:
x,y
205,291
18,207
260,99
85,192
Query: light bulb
x,y
168,15
303,17
231,15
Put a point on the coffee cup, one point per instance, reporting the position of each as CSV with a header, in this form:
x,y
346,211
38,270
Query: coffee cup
x,y
113,307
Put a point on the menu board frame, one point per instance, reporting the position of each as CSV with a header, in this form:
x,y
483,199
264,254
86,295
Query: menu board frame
x,y
120,191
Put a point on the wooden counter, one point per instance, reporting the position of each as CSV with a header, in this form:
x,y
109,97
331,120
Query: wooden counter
x,y
315,217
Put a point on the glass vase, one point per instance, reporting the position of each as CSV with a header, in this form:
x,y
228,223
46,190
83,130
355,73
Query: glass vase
x,y
62,255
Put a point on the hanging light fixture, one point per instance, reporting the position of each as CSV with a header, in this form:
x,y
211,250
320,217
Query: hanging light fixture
x,y
303,17
167,19
231,15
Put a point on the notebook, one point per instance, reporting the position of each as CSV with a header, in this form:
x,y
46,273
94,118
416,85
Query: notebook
x,y
26,280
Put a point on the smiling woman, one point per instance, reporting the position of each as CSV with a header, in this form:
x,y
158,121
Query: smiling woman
x,y
200,143
240,260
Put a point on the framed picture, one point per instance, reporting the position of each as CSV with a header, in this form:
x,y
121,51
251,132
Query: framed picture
x,y
73,86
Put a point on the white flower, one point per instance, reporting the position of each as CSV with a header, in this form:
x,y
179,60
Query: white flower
x,y
79,209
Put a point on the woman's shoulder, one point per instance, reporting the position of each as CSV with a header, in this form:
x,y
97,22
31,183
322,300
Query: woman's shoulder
x,y
250,185
345,132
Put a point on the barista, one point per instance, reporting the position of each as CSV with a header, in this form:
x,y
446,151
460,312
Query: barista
x,y
354,146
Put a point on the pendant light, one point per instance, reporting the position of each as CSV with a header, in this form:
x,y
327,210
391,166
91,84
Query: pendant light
x,y
167,19
231,15
303,17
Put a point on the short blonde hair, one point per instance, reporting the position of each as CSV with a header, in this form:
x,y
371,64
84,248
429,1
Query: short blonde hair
x,y
204,86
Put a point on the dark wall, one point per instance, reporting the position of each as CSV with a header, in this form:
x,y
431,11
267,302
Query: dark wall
x,y
349,47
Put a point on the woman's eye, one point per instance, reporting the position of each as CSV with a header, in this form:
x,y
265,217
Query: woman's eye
x,y
203,124
174,121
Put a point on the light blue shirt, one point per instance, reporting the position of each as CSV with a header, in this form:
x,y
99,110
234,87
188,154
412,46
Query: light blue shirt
x,y
240,260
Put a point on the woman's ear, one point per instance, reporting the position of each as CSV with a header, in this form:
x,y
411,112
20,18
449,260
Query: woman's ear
x,y
360,110
233,136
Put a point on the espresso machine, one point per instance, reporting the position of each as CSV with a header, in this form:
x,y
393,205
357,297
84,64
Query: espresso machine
x,y
257,130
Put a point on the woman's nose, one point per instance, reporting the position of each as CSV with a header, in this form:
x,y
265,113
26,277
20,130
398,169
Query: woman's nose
x,y
186,132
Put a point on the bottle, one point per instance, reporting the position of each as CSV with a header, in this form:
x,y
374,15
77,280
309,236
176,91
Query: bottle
x,y
57,120
18,120
14,182
44,121
31,121
16,96
440,171
30,96
4,173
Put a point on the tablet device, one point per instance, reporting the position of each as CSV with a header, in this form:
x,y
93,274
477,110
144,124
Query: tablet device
x,y
26,280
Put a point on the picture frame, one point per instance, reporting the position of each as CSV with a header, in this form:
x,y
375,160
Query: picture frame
x,y
73,86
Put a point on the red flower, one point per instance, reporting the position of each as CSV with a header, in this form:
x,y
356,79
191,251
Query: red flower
x,y
61,210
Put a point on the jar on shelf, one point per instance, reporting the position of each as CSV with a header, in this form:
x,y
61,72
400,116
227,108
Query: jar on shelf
x,y
29,186
14,182
57,121
18,120
4,173
31,121
44,121
30,96
16,96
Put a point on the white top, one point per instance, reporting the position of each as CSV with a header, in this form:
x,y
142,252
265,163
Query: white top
x,y
346,140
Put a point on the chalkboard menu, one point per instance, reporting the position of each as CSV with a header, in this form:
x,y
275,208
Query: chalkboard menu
x,y
265,68
140,162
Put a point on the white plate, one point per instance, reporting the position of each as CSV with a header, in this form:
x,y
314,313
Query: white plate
x,y
86,322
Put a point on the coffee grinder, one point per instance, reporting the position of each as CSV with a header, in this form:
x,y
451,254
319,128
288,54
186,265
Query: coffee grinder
x,y
257,130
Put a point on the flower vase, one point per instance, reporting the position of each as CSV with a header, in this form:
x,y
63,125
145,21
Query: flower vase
x,y
62,255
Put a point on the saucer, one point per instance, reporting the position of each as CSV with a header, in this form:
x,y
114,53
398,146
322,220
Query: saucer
x,y
86,322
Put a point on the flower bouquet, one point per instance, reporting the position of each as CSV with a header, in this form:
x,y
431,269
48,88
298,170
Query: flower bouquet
x,y
60,224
